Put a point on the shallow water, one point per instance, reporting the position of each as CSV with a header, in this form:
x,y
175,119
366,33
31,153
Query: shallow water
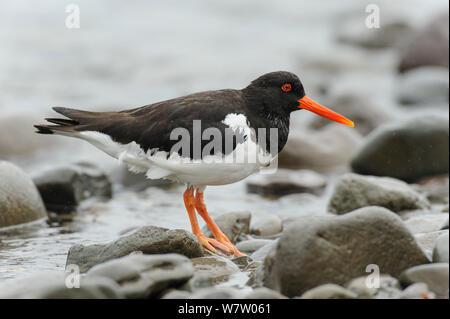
x,y
40,246
131,54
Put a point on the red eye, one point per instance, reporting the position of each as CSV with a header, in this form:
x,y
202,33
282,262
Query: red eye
x,y
286,87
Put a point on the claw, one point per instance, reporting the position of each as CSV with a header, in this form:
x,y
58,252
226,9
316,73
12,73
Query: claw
x,y
204,241
223,244
220,245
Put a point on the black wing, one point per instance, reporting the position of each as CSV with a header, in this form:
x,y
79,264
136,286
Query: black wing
x,y
150,126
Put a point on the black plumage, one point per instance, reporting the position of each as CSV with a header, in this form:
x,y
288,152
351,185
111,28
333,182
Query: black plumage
x,y
263,102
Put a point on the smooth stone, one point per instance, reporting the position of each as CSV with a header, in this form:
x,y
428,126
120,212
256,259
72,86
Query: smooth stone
x,y
252,245
264,293
285,181
145,276
300,199
301,260
267,226
434,275
63,188
319,150
426,223
424,86
418,290
20,201
52,285
197,281
262,267
262,252
329,291
436,188
176,294
408,150
393,32
429,46
147,239
218,268
233,225
389,287
355,191
440,250
428,240
217,293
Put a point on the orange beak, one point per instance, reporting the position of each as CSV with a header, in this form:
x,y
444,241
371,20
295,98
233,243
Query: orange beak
x,y
308,104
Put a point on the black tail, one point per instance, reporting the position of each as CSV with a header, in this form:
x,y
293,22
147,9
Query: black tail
x,y
43,129
77,120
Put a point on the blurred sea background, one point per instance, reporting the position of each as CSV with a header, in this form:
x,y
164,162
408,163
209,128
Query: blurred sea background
x,y
129,54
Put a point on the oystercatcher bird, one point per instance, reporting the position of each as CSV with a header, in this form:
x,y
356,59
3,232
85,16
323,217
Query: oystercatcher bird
x,y
143,137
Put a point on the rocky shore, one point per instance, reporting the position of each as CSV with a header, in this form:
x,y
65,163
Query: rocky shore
x,y
357,213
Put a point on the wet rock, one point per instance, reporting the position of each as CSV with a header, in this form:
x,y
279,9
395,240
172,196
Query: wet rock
x,y
20,201
302,258
300,199
242,262
262,266
52,285
427,47
364,287
285,182
264,293
434,275
145,276
435,188
198,281
440,250
357,107
252,245
232,224
267,226
217,293
424,86
329,291
427,241
63,188
417,291
409,150
354,191
148,239
218,268
176,294
391,33
426,223
262,252
446,224
319,150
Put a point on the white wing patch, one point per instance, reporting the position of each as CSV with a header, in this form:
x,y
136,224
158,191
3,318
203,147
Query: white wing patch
x,y
237,122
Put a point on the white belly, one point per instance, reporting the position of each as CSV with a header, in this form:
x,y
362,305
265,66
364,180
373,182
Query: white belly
x,y
213,174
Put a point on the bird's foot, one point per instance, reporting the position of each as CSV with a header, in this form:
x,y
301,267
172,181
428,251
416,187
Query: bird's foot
x,y
231,248
220,243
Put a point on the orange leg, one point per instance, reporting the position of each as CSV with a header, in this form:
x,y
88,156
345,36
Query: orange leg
x,y
221,238
206,242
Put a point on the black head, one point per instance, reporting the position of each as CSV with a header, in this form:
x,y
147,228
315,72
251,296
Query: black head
x,y
277,94
278,91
